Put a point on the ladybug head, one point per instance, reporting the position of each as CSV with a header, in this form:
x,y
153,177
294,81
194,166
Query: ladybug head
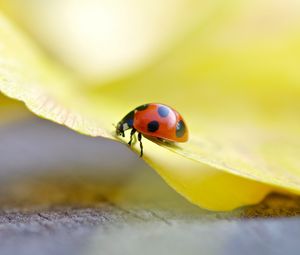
x,y
125,124
120,129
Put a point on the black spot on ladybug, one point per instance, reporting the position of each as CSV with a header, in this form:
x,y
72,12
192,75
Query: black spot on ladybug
x,y
163,111
153,126
142,107
180,129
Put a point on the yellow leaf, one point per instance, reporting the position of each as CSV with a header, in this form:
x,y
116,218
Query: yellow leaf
x,y
11,110
237,90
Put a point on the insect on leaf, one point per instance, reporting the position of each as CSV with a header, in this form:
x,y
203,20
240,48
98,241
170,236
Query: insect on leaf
x,y
235,83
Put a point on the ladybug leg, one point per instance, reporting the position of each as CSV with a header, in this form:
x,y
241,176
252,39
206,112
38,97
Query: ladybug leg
x,y
141,144
131,136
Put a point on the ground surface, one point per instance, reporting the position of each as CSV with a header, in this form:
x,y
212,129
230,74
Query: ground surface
x,y
64,193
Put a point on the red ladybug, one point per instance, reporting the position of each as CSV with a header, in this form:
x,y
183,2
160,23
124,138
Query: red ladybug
x,y
154,121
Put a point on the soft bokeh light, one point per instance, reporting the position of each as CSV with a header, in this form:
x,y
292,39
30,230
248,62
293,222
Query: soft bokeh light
x,y
103,40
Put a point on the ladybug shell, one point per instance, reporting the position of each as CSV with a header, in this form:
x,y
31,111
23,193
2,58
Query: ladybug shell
x,y
160,121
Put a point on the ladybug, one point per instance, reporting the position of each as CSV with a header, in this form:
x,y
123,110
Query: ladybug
x,y
156,122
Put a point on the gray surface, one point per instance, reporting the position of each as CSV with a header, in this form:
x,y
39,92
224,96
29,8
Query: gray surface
x,y
64,193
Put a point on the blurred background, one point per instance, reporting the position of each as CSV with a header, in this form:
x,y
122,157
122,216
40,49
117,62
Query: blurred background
x,y
64,193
